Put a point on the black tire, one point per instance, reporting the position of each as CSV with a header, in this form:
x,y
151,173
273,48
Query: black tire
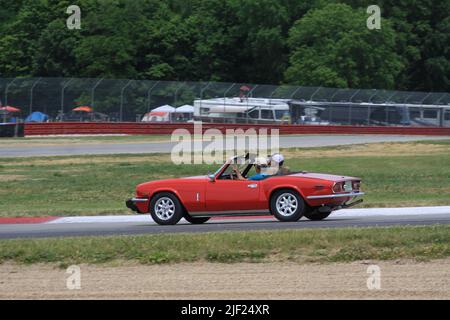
x,y
315,215
195,220
294,199
170,213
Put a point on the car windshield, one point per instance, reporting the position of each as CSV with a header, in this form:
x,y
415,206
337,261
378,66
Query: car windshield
x,y
241,162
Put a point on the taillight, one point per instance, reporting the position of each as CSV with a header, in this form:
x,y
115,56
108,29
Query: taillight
x,y
338,187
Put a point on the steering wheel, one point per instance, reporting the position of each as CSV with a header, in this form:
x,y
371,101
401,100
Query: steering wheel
x,y
233,175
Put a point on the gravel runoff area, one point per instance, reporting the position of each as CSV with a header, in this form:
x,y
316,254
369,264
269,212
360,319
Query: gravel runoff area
x,y
273,280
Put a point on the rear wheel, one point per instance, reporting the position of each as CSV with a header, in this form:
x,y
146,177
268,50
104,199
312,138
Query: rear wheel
x,y
287,205
166,209
195,220
315,215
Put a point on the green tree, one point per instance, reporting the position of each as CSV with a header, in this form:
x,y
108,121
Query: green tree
x,y
423,33
333,47
261,28
422,29
55,51
213,41
18,38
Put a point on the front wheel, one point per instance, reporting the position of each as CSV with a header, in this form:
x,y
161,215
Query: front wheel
x,y
195,220
166,209
287,205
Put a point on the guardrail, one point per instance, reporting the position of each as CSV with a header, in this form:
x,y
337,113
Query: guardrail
x,y
61,128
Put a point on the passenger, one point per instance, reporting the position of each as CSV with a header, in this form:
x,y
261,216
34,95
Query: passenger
x,y
260,163
276,165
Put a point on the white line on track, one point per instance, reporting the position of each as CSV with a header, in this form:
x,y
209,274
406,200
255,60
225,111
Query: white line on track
x,y
370,212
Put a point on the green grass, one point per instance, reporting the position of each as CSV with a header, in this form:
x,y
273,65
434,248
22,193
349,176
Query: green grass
x,y
38,140
302,246
88,185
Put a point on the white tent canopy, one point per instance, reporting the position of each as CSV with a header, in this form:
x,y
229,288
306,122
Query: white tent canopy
x,y
165,108
185,109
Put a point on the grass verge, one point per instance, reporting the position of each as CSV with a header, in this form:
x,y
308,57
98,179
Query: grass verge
x,y
36,141
421,243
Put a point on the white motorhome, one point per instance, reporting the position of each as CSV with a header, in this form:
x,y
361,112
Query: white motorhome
x,y
242,110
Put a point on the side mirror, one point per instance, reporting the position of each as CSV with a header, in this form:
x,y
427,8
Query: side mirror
x,y
212,177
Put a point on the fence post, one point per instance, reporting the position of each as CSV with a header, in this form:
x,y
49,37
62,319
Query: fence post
x,y
149,95
176,92
6,91
373,95
121,99
225,95
293,94
226,91
93,92
272,93
334,93
421,101
62,96
437,102
311,98
31,94
250,94
353,95
387,107
392,95
202,90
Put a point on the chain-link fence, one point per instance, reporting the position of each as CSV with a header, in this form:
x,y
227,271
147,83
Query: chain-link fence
x,y
134,100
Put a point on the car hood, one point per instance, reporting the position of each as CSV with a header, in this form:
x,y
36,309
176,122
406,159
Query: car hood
x,y
323,176
172,180
196,177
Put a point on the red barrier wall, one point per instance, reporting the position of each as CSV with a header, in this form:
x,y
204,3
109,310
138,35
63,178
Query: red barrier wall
x,y
57,128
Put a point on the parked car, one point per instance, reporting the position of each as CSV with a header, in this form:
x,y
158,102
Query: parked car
x,y
288,197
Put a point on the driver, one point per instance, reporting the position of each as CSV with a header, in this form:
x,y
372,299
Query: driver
x,y
259,163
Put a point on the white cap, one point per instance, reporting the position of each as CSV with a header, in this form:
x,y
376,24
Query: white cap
x,y
260,161
277,157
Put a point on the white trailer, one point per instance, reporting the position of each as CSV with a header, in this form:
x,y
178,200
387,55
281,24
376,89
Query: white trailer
x,y
242,110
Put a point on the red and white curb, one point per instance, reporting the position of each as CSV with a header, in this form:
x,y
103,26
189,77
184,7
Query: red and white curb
x,y
146,218
27,220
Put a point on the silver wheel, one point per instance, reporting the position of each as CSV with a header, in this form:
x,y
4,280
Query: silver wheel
x,y
286,204
164,208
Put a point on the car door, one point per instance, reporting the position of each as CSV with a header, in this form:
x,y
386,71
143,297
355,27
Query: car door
x,y
232,195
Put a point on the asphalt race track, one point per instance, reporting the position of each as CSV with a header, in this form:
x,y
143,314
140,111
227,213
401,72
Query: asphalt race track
x,y
143,224
295,141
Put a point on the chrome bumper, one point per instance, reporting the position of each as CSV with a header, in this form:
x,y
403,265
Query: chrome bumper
x,y
138,200
340,195
131,203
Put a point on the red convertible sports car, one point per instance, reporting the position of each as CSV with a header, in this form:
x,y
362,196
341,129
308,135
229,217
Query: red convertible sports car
x,y
287,196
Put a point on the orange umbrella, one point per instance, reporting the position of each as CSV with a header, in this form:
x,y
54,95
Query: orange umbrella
x,y
158,113
10,109
83,108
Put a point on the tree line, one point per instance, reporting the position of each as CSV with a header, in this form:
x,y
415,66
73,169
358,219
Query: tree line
x,y
309,43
